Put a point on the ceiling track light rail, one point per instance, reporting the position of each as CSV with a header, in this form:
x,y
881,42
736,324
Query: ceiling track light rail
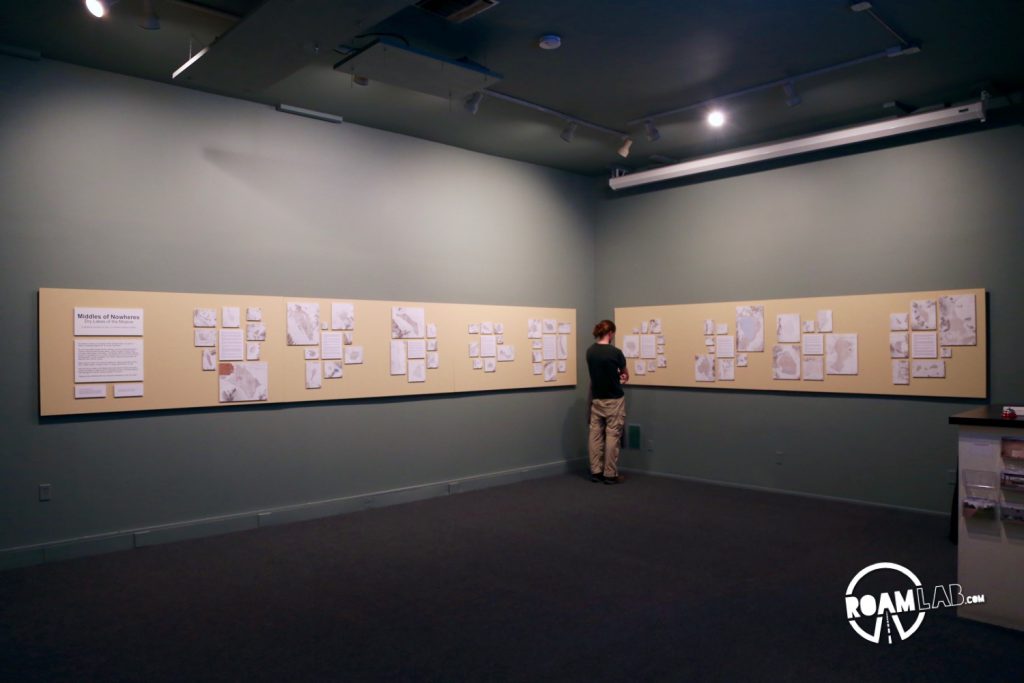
x,y
869,9
554,112
789,81
974,111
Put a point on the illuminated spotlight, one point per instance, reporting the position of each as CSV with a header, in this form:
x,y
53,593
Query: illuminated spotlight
x,y
99,8
716,119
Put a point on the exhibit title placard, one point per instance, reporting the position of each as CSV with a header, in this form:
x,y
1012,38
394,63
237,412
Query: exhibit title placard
x,y
108,322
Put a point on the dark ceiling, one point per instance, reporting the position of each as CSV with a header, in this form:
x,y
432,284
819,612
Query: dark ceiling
x,y
620,62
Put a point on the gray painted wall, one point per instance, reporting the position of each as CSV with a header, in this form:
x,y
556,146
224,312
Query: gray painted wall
x,y
116,183
941,214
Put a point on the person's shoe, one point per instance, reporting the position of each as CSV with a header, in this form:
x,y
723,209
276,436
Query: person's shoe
x,y
596,478
611,480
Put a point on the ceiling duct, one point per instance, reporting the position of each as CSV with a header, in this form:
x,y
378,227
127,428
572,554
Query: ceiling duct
x,y
456,11
389,61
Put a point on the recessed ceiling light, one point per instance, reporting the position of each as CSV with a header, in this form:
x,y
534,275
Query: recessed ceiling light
x,y
716,119
550,41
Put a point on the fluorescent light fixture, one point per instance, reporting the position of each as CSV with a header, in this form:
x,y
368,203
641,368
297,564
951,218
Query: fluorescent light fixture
x,y
624,150
309,113
845,136
716,119
570,131
99,8
192,60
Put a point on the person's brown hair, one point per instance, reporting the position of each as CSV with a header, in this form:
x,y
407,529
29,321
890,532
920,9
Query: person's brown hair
x,y
602,328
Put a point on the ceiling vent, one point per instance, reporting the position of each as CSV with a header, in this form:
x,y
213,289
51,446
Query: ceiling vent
x,y
456,11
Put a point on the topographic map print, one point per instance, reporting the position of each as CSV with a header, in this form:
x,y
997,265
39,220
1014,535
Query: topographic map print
x,y
242,382
841,354
343,316
929,368
785,362
899,345
631,346
901,372
303,324
704,367
204,317
314,373
750,328
787,327
256,332
407,323
814,368
957,325
922,314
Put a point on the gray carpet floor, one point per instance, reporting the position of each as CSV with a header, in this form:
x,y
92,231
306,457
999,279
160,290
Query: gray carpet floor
x,y
555,579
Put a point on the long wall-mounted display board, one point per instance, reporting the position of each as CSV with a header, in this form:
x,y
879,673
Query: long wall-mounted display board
x,y
908,344
111,351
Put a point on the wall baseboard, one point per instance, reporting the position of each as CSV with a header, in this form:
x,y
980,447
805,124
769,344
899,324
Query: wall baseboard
x,y
785,492
83,546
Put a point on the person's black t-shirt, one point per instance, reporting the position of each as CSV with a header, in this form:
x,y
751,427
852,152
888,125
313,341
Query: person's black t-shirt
x,y
605,362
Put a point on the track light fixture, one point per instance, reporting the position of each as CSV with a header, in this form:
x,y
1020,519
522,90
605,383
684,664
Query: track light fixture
x,y
653,134
716,119
472,103
570,131
792,96
624,149
99,8
576,121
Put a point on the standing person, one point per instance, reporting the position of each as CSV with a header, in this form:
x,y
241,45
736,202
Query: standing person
x,y
607,368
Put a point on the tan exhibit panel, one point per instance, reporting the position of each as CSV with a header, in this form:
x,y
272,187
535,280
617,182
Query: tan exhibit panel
x,y
900,346
201,350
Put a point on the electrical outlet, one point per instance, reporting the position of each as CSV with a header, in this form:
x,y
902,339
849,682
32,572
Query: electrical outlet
x,y
44,493
650,445
779,457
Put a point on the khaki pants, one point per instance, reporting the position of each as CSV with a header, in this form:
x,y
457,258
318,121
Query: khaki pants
x,y
607,417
